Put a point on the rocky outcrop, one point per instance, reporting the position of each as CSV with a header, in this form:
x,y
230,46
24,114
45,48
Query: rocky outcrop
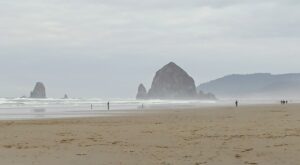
x,y
206,96
172,82
39,91
142,92
65,96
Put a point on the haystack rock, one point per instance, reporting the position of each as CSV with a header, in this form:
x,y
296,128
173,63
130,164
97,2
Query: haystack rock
x,y
172,82
39,91
142,92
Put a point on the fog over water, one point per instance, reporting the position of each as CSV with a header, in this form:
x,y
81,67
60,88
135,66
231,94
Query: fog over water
x,y
104,49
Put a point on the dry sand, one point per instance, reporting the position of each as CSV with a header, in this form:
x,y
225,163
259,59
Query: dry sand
x,y
264,134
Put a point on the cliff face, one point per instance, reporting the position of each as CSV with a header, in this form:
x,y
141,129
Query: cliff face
x,y
39,91
142,92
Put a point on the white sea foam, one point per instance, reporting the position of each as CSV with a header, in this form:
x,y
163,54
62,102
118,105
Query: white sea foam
x,y
22,108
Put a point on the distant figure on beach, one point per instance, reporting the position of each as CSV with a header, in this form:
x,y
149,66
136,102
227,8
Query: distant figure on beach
x,y
236,103
284,102
91,106
142,106
108,106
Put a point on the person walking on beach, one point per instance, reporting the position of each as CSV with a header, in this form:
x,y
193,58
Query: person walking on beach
x,y
283,102
91,106
108,106
236,103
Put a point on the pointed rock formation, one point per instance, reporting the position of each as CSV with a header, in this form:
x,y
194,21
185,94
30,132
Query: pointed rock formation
x,y
142,92
66,96
172,82
39,91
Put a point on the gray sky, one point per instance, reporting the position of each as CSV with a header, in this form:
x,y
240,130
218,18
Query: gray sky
x,y
105,48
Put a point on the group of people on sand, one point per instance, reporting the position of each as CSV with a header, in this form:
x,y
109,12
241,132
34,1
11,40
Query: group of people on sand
x,y
284,102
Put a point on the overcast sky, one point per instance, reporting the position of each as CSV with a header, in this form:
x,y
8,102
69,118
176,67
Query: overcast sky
x,y
105,48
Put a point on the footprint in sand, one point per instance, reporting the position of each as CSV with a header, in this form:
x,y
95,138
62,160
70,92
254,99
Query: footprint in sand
x,y
238,156
163,147
81,154
7,146
67,140
116,142
248,150
280,145
252,163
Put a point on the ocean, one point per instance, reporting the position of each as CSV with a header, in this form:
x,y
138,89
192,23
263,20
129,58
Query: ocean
x,y
25,108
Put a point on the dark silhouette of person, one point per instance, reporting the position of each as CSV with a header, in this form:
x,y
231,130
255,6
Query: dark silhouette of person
x,y
236,103
108,106
91,106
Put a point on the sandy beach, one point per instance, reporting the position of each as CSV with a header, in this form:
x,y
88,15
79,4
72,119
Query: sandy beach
x,y
263,134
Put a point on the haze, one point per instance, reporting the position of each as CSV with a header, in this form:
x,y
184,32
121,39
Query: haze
x,y
89,48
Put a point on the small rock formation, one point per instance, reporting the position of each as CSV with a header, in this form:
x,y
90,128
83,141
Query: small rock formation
x,y
172,82
39,91
142,92
65,96
206,96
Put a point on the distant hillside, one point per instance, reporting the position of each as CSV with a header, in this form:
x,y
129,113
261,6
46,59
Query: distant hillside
x,y
260,85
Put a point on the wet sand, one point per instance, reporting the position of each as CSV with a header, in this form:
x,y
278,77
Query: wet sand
x,y
263,134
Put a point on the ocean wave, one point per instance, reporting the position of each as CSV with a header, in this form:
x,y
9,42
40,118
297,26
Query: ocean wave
x,y
52,102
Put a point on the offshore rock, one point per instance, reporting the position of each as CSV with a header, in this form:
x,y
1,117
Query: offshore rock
x,y
172,82
39,91
142,92
65,96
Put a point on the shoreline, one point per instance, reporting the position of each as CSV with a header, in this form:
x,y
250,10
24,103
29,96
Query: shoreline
x,y
125,112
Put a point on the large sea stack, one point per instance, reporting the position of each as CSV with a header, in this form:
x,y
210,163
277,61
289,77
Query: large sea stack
x,y
172,82
142,92
39,91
